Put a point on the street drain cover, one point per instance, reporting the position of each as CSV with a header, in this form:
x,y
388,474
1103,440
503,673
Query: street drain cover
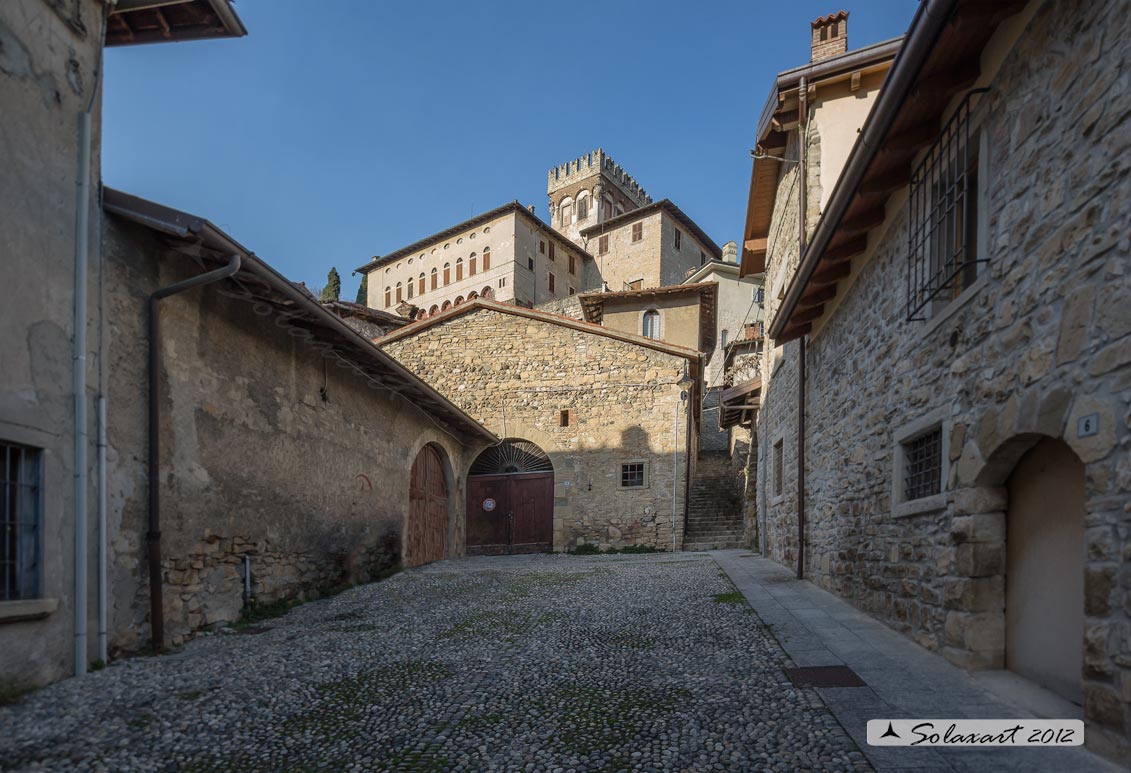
x,y
824,676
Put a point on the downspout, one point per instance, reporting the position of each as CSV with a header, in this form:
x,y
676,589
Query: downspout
x,y
153,538
803,206
82,239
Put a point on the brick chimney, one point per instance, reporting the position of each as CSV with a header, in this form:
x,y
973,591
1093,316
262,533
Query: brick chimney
x,y
830,36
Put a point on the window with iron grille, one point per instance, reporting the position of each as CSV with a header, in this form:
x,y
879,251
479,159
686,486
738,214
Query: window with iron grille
x,y
942,250
20,480
634,475
922,465
779,464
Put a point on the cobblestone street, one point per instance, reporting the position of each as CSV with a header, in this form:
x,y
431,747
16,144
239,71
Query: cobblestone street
x,y
515,663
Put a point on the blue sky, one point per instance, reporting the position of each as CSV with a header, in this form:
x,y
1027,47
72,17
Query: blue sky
x,y
342,129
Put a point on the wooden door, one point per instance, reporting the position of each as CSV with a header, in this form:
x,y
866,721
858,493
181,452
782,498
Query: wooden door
x,y
510,513
426,535
1044,583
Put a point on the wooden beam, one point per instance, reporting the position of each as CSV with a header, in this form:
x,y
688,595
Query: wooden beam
x,y
755,245
831,273
784,121
806,315
816,295
887,180
873,218
795,331
773,143
845,250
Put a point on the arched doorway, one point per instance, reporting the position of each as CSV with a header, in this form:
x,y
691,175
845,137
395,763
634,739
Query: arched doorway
x,y
426,533
510,500
1044,583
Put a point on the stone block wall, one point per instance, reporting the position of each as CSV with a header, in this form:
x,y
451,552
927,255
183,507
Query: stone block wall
x,y
268,451
1040,341
516,374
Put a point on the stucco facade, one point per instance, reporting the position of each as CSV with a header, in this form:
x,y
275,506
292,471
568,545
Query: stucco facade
x,y
517,371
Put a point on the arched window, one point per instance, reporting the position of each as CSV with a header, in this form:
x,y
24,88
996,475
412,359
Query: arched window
x,y
471,265
447,274
388,297
567,210
652,324
447,305
724,339
487,293
434,310
435,277
459,269
583,208
471,296
459,300
400,293
410,289
420,282
486,258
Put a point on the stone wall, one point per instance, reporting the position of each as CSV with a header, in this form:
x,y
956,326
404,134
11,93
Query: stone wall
x,y
569,306
269,451
679,317
48,75
516,374
1042,339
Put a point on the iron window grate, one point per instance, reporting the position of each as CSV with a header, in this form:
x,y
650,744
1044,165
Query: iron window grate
x,y
942,244
20,491
922,467
632,475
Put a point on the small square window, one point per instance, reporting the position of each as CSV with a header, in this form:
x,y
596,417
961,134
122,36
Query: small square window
x,y
502,281
566,417
637,231
602,245
572,291
634,475
922,465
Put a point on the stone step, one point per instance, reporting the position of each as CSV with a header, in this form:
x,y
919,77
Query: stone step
x,y
712,545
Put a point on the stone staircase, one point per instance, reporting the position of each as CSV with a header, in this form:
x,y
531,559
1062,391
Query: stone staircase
x,y
714,513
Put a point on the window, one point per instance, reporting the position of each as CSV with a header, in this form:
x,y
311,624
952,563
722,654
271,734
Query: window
x,y
702,258
634,475
759,295
603,245
651,326
723,339
943,212
486,258
572,264
21,511
635,284
542,246
551,251
922,465
459,269
447,274
388,296
471,265
608,209
410,289
582,208
434,310
400,293
779,463
637,231
502,281
550,282
566,210
565,417
420,283
530,264
435,276
572,291
679,239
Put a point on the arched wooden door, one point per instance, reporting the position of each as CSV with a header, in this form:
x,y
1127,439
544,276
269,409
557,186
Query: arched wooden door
x,y
510,500
426,535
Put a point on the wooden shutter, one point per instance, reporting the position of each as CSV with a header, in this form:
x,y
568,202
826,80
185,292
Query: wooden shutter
x,y
471,266
486,259
551,250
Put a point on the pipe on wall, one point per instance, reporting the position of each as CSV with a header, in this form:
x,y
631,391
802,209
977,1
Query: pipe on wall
x,y
153,537
102,586
82,239
802,237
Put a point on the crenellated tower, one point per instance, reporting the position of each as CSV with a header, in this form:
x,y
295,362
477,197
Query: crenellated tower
x,y
588,190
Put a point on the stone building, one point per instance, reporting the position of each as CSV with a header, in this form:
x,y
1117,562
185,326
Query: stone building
x,y
956,317
683,315
506,254
600,432
281,452
589,190
370,323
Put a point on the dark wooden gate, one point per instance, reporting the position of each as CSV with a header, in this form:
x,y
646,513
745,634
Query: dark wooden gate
x,y
522,520
426,536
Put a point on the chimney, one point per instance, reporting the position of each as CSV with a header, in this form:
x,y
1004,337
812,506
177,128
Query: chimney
x,y
830,36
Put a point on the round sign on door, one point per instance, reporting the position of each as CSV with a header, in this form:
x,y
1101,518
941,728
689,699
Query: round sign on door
x,y
488,504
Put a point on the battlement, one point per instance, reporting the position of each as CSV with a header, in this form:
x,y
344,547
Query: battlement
x,y
593,163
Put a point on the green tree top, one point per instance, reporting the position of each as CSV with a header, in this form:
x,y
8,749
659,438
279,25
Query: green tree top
x,y
363,290
333,289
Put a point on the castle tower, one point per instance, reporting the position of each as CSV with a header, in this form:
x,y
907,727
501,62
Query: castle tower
x,y
589,190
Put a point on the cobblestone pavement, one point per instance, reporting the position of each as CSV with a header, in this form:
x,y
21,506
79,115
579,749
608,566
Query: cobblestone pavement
x,y
551,663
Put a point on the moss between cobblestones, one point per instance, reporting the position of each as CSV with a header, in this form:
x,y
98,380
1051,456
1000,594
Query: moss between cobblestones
x,y
498,624
595,719
732,597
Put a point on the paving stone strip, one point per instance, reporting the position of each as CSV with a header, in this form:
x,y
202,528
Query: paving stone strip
x,y
539,663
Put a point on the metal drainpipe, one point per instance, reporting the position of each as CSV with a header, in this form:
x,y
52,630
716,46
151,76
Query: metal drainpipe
x,y
82,239
153,538
803,204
